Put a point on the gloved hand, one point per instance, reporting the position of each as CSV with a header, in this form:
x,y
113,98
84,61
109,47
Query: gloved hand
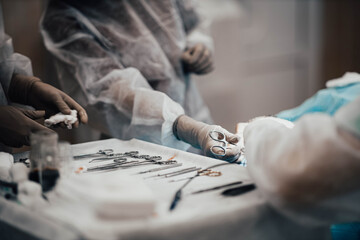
x,y
198,59
197,134
16,124
32,91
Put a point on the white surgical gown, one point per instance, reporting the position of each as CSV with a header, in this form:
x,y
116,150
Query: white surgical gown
x,y
310,172
122,60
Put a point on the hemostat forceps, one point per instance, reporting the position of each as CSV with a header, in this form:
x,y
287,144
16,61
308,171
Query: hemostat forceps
x,y
105,152
118,156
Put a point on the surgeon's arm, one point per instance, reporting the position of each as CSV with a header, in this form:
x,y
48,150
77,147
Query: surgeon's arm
x,y
32,91
313,161
197,134
128,105
22,87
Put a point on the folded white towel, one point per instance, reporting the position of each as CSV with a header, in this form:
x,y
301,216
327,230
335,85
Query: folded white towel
x,y
19,172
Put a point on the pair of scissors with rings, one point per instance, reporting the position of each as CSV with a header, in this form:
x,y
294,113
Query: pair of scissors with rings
x,y
105,152
219,150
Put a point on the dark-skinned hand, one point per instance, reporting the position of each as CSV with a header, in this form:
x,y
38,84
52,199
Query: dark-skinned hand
x,y
198,59
31,91
16,124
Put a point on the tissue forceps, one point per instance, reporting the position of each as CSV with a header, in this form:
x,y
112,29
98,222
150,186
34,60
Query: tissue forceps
x,y
176,173
143,163
180,173
105,152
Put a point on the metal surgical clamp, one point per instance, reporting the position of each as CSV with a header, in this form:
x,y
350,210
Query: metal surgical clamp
x,y
161,168
143,163
118,157
105,152
108,166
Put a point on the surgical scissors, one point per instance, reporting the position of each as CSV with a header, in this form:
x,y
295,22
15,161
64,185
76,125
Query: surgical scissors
x,y
201,172
217,150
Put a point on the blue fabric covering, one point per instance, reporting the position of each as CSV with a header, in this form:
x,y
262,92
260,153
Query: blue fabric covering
x,y
346,231
328,101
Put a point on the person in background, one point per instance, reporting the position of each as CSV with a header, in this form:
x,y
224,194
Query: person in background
x,y
18,85
129,63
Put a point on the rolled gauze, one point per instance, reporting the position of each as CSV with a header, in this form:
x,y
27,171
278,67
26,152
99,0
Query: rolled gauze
x,y
69,120
6,162
19,172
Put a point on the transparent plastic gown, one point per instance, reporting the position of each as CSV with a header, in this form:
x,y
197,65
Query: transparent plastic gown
x,y
121,59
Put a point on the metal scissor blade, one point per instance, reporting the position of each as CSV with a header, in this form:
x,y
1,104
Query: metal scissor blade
x,y
180,173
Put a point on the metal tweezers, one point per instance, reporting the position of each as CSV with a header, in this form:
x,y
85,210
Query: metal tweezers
x,y
176,173
149,162
161,168
108,166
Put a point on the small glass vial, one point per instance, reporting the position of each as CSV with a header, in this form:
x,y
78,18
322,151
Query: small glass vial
x,y
44,159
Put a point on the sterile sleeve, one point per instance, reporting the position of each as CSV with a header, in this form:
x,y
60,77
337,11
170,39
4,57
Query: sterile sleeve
x,y
310,172
128,105
196,25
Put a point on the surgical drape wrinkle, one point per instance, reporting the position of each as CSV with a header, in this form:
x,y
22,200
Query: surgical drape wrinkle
x,y
310,172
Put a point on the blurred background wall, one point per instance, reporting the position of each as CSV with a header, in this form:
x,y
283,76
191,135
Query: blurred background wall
x,y
270,55
267,57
